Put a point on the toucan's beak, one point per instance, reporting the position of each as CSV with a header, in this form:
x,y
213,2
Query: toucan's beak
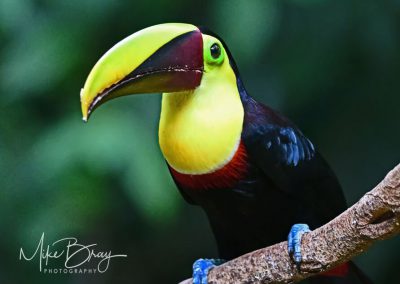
x,y
162,58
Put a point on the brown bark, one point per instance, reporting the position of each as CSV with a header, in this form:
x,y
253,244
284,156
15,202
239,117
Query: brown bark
x,y
376,216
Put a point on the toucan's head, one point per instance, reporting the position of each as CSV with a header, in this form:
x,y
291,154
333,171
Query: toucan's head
x,y
165,58
201,115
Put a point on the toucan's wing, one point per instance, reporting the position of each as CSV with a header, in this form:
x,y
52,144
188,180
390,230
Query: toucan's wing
x,y
282,145
276,145
283,154
289,160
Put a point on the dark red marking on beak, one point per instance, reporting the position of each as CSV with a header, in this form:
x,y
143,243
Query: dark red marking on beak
x,y
174,67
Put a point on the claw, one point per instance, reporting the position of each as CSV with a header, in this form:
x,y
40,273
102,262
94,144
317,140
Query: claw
x,y
201,268
294,241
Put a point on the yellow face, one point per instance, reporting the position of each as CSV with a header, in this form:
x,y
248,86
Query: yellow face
x,y
200,129
202,114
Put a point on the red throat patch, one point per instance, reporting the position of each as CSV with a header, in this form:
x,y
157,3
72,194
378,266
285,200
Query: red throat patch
x,y
225,177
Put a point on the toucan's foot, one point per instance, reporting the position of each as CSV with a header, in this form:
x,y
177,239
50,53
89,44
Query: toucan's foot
x,y
201,268
294,241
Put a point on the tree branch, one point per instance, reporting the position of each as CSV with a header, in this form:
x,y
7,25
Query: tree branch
x,y
376,216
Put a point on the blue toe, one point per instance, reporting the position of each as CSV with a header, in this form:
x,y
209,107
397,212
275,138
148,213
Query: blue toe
x,y
201,268
294,241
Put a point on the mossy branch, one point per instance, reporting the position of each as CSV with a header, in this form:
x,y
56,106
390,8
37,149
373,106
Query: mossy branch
x,y
376,216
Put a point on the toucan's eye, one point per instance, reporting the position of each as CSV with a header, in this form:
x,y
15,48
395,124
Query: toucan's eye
x,y
214,53
215,50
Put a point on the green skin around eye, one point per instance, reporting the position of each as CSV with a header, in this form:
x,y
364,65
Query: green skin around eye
x,y
210,59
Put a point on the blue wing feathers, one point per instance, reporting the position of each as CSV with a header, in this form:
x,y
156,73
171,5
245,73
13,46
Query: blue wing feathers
x,y
286,145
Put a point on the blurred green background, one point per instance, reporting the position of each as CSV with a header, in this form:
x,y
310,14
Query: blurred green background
x,y
331,66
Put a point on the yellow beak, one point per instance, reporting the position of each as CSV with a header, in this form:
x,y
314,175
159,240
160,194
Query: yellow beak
x,y
161,58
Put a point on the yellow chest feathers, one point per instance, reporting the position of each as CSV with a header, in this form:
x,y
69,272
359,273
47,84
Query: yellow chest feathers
x,y
200,131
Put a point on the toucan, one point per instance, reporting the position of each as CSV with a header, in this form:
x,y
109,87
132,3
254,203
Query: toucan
x,y
255,174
